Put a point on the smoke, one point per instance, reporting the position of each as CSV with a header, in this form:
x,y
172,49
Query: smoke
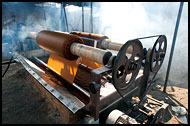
x,y
123,21
119,21
21,18
128,20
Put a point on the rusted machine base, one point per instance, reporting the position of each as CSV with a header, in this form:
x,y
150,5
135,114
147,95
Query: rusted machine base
x,y
71,108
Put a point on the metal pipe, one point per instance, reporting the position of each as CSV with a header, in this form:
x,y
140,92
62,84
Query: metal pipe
x,y
107,44
91,17
94,54
67,29
61,16
32,35
173,44
82,18
44,13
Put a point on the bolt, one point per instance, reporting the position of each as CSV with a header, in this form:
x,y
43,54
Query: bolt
x,y
135,66
94,87
132,66
162,54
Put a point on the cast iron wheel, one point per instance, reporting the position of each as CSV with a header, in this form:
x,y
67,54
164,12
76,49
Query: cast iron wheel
x,y
124,66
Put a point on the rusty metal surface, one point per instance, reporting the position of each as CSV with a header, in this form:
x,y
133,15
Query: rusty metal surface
x,y
66,98
91,39
58,43
89,35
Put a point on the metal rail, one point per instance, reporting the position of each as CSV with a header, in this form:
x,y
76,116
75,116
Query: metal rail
x,y
82,17
91,21
71,102
67,29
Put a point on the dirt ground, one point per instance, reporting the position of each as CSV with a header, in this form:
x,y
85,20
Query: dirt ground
x,y
175,96
22,102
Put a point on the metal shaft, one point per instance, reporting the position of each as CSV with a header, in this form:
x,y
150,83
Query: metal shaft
x,y
32,35
107,44
173,44
94,54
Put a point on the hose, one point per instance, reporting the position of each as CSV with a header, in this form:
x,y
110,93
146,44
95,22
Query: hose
x,y
7,67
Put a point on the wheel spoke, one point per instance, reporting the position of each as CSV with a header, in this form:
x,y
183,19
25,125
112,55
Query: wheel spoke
x,y
158,56
119,78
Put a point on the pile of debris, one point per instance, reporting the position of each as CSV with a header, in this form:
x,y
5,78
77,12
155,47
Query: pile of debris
x,y
180,114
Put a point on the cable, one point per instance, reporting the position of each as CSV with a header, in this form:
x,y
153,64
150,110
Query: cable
x,y
7,67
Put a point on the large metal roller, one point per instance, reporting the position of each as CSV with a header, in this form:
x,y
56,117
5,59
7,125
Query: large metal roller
x,y
58,43
104,41
90,39
69,46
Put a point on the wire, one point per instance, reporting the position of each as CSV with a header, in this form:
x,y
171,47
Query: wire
x,y
7,67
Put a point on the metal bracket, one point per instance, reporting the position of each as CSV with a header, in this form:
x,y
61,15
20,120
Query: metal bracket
x,y
95,86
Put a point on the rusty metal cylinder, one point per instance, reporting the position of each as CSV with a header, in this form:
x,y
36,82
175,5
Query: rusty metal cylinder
x,y
69,46
103,41
94,54
58,43
90,38
107,44
89,35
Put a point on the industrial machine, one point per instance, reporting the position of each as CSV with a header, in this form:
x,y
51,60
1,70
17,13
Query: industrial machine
x,y
87,78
